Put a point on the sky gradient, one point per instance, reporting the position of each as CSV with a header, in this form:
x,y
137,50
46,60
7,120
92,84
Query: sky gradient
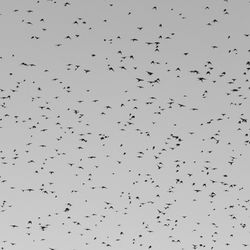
x,y
124,125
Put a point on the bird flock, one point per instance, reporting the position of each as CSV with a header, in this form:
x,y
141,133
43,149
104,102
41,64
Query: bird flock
x,y
124,125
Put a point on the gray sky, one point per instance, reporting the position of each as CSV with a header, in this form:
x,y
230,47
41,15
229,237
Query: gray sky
x,y
124,125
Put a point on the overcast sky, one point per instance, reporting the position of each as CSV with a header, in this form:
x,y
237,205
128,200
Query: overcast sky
x,y
124,124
